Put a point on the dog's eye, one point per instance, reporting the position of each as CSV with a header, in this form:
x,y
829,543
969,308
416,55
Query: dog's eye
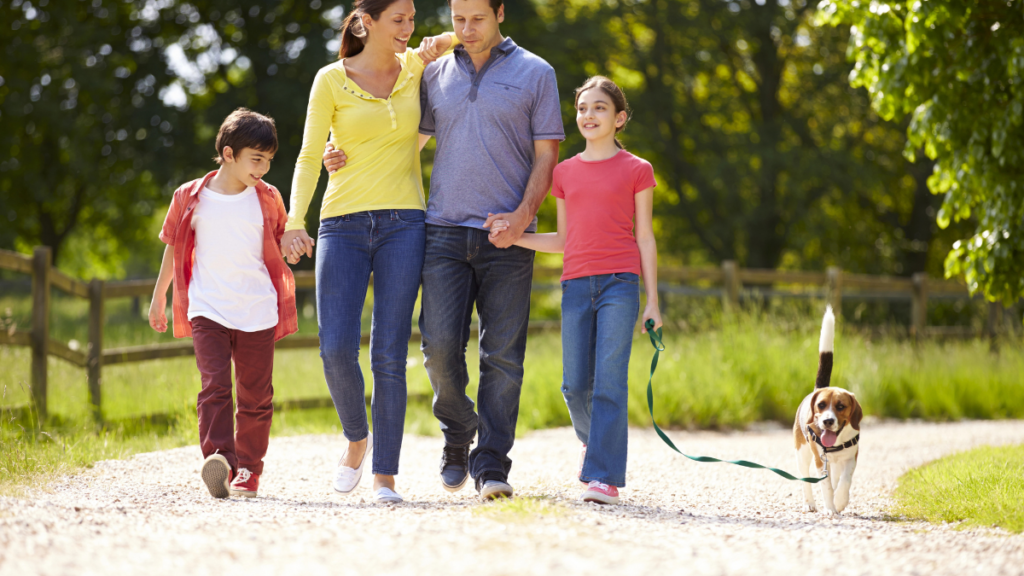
x,y
822,405
840,407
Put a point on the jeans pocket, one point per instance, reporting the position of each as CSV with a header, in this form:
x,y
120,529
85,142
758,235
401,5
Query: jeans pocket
x,y
411,216
332,222
627,277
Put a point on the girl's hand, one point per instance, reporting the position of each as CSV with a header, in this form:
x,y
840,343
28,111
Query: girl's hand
x,y
157,315
497,227
433,47
651,312
292,259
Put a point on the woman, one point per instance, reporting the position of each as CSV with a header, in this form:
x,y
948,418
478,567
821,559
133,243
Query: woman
x,y
372,221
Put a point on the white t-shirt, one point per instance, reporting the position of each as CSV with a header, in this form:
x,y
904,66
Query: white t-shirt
x,y
230,283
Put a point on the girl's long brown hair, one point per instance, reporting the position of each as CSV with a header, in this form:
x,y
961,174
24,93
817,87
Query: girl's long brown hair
x,y
353,32
614,92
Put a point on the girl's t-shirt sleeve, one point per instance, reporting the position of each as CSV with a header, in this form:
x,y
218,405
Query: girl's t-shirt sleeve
x,y
644,176
556,182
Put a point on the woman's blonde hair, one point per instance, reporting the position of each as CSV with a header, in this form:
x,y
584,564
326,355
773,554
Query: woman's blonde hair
x,y
614,92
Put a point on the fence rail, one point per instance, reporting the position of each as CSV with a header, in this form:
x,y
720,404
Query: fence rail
x,y
728,278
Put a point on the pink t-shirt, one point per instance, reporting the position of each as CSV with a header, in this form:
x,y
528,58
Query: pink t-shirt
x,y
599,211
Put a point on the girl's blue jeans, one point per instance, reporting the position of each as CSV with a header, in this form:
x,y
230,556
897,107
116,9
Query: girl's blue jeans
x,y
390,244
598,316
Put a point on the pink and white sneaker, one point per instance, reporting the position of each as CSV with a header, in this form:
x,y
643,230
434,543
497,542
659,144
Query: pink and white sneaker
x,y
601,493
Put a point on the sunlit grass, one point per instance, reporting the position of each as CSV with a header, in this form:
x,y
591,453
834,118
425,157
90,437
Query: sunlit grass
x,y
980,487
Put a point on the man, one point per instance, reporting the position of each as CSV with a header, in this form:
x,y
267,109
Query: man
x,y
494,110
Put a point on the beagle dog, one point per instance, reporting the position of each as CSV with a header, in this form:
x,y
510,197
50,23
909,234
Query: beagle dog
x,y
827,430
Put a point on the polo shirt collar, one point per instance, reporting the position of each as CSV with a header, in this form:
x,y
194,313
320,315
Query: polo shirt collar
x,y
506,47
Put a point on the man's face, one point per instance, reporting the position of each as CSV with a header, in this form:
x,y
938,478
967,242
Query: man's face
x,y
476,24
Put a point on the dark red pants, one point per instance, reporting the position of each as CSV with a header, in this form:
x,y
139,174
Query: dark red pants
x,y
253,355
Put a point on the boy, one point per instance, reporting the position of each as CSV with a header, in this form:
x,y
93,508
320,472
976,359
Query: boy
x,y
233,295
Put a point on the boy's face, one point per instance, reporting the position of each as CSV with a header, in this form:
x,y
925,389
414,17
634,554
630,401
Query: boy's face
x,y
248,166
476,24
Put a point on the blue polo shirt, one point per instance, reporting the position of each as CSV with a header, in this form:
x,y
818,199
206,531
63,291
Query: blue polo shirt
x,y
485,124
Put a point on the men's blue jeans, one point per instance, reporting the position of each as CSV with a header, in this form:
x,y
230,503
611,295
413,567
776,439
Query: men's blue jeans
x,y
389,244
598,316
463,268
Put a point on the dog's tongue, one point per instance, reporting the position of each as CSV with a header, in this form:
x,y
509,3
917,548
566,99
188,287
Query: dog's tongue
x,y
828,438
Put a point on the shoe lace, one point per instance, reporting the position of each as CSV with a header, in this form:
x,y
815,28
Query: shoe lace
x,y
597,484
455,455
243,475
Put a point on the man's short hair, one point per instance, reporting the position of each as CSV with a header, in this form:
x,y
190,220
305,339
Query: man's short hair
x,y
495,4
244,128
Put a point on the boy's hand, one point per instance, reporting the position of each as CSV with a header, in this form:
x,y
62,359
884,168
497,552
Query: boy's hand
x,y
333,159
293,259
295,243
650,312
157,315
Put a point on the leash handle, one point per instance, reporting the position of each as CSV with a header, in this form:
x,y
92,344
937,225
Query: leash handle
x,y
659,347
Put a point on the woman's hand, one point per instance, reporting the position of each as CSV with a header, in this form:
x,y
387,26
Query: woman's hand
x,y
295,243
157,313
651,312
333,159
433,47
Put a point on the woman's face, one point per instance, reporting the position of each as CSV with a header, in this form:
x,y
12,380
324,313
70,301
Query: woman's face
x,y
394,26
595,115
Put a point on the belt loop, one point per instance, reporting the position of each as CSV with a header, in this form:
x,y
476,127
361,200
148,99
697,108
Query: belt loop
x,y
347,217
394,215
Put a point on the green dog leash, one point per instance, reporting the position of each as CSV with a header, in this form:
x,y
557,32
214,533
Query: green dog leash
x,y
659,347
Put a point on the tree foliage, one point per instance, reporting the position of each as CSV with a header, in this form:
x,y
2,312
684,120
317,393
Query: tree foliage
x,y
954,68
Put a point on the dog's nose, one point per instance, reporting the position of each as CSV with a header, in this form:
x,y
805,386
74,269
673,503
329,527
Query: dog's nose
x,y
828,421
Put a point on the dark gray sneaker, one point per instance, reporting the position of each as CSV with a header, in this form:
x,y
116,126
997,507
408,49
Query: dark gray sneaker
x,y
492,485
454,466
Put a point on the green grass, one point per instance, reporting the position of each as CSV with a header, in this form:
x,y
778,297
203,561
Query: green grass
x,y
717,373
980,487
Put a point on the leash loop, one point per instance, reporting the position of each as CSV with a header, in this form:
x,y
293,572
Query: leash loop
x,y
659,347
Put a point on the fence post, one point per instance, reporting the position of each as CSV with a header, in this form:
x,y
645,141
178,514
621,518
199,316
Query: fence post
x,y
835,289
95,354
41,261
730,284
918,305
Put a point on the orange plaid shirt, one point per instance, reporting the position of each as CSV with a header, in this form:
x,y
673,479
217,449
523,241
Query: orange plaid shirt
x,y
177,231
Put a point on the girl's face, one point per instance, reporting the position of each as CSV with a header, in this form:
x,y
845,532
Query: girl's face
x,y
596,116
394,26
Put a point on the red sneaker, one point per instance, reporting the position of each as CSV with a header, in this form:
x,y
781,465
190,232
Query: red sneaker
x,y
245,483
216,474
601,493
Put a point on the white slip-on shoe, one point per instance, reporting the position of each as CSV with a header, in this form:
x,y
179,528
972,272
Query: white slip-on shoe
x,y
346,479
385,495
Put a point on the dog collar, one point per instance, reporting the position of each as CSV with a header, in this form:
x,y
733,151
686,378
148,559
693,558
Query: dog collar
x,y
849,443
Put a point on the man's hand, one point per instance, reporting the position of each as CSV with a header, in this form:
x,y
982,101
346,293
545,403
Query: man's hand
x,y
157,313
517,223
295,243
333,159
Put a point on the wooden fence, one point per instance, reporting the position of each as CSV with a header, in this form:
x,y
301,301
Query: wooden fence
x,y
729,280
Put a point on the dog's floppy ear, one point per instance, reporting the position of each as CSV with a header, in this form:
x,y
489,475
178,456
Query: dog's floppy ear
x,y
811,407
855,413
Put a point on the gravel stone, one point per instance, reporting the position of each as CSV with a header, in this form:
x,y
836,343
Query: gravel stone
x,y
151,514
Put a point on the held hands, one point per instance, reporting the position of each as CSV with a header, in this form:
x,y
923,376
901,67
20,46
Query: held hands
x,y
506,229
295,243
433,47
651,312
157,316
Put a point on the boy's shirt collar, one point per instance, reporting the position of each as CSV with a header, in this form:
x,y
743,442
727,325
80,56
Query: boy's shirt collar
x,y
261,186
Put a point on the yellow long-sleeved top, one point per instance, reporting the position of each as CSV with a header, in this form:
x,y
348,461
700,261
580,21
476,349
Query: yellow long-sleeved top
x,y
378,135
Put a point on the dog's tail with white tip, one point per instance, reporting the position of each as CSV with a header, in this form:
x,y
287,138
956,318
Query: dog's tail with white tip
x,y
828,336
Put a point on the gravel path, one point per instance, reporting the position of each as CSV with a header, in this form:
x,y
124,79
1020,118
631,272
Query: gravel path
x,y
150,515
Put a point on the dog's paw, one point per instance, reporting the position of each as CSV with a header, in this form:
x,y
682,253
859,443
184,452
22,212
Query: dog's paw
x,y
811,507
832,512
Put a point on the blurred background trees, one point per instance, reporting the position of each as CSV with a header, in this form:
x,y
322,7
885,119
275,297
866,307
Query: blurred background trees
x,y
763,150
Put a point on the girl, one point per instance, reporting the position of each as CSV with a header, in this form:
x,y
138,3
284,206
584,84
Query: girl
x,y
371,221
599,193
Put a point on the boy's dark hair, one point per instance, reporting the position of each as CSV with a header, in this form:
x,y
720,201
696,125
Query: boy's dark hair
x,y
495,4
244,128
